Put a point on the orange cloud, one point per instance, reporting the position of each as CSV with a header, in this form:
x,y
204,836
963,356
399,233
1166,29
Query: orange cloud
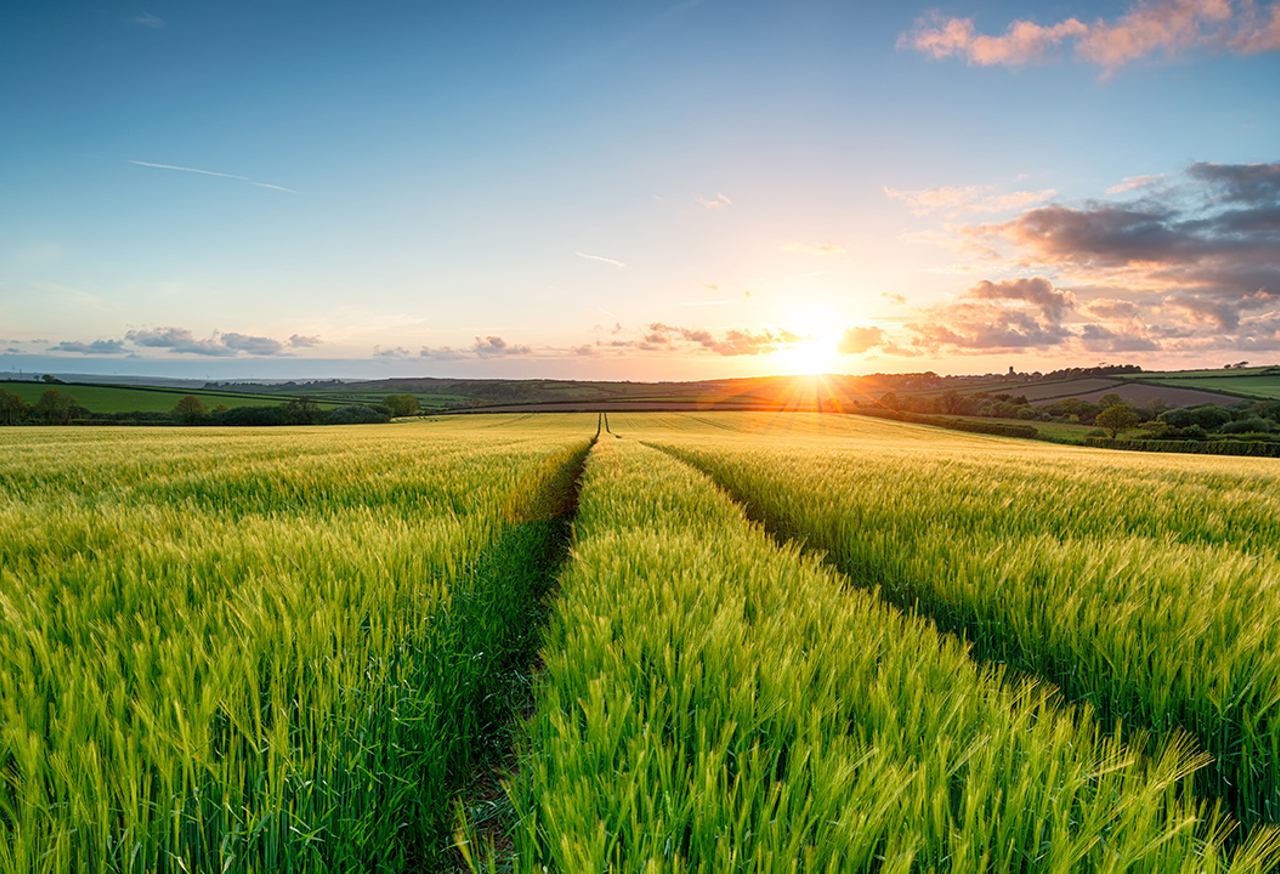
x,y
1168,27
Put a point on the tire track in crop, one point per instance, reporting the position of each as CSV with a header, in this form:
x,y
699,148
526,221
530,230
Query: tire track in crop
x,y
527,560
1215,782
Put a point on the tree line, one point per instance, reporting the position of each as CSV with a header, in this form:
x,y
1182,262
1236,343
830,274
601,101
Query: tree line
x,y
56,407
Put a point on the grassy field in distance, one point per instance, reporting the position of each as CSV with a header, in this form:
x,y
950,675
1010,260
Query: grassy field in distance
x,y
126,399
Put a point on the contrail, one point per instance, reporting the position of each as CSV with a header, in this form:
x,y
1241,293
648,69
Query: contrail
x,y
599,258
212,173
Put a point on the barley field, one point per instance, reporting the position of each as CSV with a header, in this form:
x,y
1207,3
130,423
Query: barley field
x,y
734,642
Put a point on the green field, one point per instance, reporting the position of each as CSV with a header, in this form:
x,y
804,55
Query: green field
x,y
129,399
1258,386
764,642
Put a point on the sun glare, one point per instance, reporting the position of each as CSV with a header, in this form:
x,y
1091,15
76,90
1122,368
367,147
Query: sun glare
x,y
816,353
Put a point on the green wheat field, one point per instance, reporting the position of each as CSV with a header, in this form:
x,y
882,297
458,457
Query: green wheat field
x,y
727,642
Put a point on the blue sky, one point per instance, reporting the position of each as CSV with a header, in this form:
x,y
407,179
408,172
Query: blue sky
x,y
638,191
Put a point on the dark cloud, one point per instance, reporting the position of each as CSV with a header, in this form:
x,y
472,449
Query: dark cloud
x,y
976,327
394,352
298,341
1247,183
496,347
1107,236
1207,247
97,347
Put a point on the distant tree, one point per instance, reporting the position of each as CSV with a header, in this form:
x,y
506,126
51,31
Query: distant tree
x,y
301,411
1117,418
189,410
950,401
13,409
401,405
889,400
1109,400
51,379
354,414
55,407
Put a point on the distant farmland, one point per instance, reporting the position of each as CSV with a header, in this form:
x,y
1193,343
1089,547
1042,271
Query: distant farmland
x,y
127,399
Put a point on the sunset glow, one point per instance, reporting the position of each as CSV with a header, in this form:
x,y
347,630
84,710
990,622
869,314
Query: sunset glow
x,y
641,192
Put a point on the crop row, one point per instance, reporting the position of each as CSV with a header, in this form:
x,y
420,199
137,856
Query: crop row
x,y
713,702
260,653
1143,586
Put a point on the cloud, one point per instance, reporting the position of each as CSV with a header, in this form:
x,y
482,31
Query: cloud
x,y
212,173
719,202
496,347
97,347
252,345
182,341
1214,236
394,352
731,343
1096,338
822,249
1166,28
1182,264
179,340
1240,183
298,341
442,353
1135,183
967,199
972,327
1038,291
601,258
1105,308
146,19
860,339
1023,43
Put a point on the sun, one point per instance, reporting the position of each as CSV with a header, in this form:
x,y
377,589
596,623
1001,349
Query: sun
x,y
810,356
815,352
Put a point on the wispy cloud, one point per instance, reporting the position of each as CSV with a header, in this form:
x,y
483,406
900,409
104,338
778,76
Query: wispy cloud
x,y
718,202
1167,28
146,19
601,258
211,173
1134,183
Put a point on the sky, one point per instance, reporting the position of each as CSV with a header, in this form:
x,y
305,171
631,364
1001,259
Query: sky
x,y
640,191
